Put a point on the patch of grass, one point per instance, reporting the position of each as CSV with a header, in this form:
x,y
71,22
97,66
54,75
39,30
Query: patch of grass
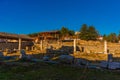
x,y
45,71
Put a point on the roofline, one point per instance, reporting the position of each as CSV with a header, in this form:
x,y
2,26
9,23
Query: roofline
x,y
14,36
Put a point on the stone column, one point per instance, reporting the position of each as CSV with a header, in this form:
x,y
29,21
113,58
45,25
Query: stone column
x,y
27,48
19,45
74,45
41,45
33,48
105,47
58,42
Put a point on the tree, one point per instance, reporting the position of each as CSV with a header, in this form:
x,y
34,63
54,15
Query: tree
x,y
119,36
92,33
64,31
33,34
71,32
84,32
112,37
88,33
104,37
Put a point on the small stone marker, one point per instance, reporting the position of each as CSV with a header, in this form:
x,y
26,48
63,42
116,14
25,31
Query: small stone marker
x,y
66,59
23,54
46,58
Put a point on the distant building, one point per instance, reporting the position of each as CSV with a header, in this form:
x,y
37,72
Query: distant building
x,y
48,35
14,41
100,38
77,33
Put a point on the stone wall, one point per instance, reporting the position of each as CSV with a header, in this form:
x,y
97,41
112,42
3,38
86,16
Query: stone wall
x,y
14,45
82,46
98,47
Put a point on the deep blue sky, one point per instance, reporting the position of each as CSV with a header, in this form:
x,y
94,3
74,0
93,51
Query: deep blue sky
x,y
28,16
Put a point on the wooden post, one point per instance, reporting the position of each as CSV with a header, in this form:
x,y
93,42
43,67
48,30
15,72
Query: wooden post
x,y
105,47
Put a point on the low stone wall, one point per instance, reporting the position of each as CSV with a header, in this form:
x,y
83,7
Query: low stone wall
x,y
82,46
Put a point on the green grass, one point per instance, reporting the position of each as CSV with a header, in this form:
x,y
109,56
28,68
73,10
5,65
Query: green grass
x,y
45,71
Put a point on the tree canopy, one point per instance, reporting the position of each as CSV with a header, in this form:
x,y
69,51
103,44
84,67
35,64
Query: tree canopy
x,y
33,34
88,33
66,32
112,37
